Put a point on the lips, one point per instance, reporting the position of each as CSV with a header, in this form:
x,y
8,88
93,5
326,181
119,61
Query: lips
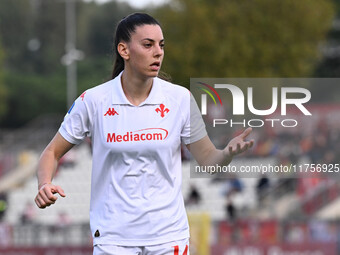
x,y
155,66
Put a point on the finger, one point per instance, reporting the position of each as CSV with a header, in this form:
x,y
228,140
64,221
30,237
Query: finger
x,y
49,195
231,151
238,149
45,204
41,202
37,202
251,143
244,147
246,132
248,145
45,197
60,191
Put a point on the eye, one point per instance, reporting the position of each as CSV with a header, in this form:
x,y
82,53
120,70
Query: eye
x,y
162,45
147,45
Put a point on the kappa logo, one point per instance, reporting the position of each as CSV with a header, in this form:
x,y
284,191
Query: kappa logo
x,y
161,109
111,112
82,96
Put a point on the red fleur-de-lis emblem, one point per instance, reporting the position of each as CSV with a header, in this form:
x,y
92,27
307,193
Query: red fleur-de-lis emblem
x,y
82,96
162,110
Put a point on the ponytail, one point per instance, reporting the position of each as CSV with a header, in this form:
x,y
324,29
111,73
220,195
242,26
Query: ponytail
x,y
118,65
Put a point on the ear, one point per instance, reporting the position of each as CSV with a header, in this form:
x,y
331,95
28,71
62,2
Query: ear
x,y
123,50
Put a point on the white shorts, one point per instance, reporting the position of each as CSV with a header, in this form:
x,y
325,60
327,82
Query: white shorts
x,y
180,247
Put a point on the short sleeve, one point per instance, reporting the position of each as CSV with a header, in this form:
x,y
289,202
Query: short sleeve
x,y
194,127
77,121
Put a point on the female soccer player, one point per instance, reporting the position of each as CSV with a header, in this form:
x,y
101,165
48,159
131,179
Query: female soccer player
x,y
137,123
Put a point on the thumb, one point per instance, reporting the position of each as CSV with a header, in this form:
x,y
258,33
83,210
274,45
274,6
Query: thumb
x,y
59,190
246,132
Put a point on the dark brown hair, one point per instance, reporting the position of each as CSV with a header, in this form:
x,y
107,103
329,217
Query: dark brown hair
x,y
123,33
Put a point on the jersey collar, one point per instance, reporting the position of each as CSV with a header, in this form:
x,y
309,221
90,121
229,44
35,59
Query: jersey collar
x,y
156,95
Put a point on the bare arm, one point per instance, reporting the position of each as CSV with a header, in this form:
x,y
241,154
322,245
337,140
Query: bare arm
x,y
46,169
205,152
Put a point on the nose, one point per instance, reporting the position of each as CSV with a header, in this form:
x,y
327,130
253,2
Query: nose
x,y
158,52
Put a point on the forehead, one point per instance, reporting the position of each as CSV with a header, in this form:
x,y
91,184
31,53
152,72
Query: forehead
x,y
153,32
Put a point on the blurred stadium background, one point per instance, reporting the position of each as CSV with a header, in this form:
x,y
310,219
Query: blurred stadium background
x,y
53,50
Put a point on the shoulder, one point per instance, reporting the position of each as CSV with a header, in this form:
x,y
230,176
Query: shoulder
x,y
173,91
97,93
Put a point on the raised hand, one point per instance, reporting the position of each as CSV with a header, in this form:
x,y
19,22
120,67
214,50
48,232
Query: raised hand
x,y
238,144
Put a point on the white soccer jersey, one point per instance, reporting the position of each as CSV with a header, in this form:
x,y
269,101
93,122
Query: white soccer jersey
x,y
136,197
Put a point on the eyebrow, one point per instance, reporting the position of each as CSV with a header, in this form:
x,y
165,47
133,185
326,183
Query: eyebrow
x,y
151,40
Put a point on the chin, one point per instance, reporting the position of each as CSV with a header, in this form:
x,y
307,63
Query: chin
x,y
153,74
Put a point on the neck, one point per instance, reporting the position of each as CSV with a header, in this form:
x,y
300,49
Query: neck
x,y
136,89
